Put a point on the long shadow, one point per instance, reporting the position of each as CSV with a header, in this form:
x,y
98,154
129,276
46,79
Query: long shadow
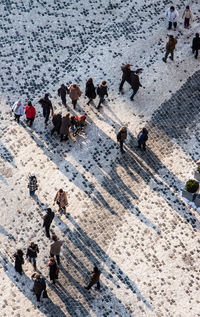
x,y
24,285
6,155
5,233
3,180
80,240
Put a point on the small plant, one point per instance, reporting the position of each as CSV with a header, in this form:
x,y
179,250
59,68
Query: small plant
x,y
198,168
192,186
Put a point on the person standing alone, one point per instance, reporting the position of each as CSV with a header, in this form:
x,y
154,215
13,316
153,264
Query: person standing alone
x,y
170,47
121,137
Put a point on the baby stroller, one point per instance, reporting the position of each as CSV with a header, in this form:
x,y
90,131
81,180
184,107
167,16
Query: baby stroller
x,y
78,124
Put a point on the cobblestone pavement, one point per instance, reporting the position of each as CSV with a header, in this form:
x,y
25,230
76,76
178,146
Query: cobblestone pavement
x,y
127,214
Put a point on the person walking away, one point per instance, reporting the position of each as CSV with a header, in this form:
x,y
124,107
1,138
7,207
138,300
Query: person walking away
x,y
64,129
102,91
62,92
187,14
48,218
32,252
39,285
19,261
121,137
135,83
56,120
30,113
18,109
142,138
170,47
126,75
47,107
90,91
74,93
196,45
94,278
53,270
61,200
32,185
55,248
172,16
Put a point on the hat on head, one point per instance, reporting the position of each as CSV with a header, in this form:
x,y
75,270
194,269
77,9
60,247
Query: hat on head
x,y
187,7
46,94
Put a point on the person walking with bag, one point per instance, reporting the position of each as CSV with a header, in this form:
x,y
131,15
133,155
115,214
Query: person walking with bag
x,y
39,286
53,270
61,200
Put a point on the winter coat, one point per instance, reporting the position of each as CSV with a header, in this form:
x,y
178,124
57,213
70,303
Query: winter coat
x,y
61,198
46,103
95,276
53,274
19,260
135,82
48,218
90,90
143,137
187,14
55,247
102,90
18,109
74,92
32,185
30,112
170,46
171,16
62,91
122,134
126,74
65,124
56,120
196,43
32,251
39,285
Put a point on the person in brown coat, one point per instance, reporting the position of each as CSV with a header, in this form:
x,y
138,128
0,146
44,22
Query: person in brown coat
x,y
64,129
170,47
94,278
61,200
39,285
74,93
55,248
121,137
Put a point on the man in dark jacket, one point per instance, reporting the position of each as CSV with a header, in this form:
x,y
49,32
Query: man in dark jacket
x,y
135,83
102,91
56,120
126,75
170,47
47,107
39,285
196,45
94,278
31,253
32,184
48,220
121,137
142,138
62,91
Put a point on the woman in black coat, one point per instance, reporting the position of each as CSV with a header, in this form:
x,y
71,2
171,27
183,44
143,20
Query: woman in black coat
x,y
90,90
19,261
53,270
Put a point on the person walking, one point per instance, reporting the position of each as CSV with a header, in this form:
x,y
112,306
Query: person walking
x,y
48,218
187,14
135,83
61,200
74,93
55,248
64,129
196,45
56,120
172,16
47,107
32,252
19,261
126,75
32,185
90,90
39,285
62,92
30,113
18,109
142,138
170,47
94,278
121,137
102,91
53,270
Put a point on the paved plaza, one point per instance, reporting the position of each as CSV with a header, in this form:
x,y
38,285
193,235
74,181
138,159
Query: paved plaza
x,y
127,213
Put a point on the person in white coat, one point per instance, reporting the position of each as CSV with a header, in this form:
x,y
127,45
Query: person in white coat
x,y
172,16
18,109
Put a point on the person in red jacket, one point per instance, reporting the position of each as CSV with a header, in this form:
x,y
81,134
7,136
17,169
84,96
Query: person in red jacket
x,y
30,113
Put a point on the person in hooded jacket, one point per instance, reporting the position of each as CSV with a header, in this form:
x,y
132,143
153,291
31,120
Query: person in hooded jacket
x,y
196,45
142,138
102,91
62,92
19,260
56,120
30,113
32,252
90,90
74,93
47,107
39,285
48,218
18,109
64,129
32,184
53,270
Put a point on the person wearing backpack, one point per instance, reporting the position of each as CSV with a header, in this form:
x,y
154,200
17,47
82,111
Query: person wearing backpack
x,y
121,137
142,139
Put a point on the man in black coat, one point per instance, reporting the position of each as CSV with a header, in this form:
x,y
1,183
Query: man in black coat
x,y
102,91
196,45
62,91
46,106
126,75
48,220
135,83
31,253
39,285
56,120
